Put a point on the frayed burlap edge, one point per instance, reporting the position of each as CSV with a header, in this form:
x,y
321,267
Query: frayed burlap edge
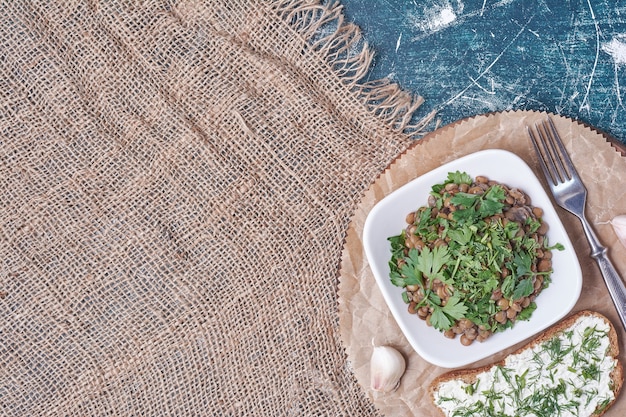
x,y
341,44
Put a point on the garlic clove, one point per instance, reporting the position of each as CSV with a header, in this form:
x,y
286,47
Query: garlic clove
x,y
619,226
387,366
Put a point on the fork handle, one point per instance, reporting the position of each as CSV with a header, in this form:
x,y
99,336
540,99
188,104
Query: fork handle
x,y
614,283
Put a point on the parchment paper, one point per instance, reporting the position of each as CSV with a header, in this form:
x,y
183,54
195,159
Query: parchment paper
x,y
363,314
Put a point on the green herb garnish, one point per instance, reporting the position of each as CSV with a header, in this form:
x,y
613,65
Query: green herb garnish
x,y
573,383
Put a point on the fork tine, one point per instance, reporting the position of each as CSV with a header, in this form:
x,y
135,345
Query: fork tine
x,y
565,162
555,161
551,151
543,155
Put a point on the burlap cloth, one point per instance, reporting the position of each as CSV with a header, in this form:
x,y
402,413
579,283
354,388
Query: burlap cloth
x,y
365,319
176,181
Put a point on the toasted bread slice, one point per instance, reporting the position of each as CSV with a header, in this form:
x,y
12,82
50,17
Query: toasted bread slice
x,y
572,368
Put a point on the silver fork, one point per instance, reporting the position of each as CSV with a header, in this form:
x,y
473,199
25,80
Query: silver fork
x,y
570,193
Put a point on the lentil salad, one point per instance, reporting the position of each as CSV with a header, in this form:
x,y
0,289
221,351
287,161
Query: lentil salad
x,y
474,259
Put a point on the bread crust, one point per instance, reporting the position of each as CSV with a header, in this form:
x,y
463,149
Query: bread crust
x,y
468,375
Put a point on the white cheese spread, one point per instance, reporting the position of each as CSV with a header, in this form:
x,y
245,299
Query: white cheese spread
x,y
568,375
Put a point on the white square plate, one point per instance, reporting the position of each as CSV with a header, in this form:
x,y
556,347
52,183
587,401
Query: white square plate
x,y
387,219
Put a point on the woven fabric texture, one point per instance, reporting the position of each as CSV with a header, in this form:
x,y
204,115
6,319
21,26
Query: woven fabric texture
x,y
176,179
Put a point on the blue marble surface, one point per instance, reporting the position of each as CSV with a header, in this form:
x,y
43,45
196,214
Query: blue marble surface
x,y
472,57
